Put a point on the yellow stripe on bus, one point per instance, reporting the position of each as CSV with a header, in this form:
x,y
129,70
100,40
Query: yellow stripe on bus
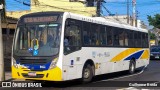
x,y
145,54
124,54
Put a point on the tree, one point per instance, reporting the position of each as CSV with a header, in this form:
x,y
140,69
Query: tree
x,y
154,21
152,36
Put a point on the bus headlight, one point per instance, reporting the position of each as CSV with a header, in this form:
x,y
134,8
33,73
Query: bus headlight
x,y
14,63
53,63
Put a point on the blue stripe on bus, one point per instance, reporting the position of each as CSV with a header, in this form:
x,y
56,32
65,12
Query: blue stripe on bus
x,y
135,55
38,67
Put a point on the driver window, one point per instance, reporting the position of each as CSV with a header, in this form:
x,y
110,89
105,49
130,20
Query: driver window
x,y
72,39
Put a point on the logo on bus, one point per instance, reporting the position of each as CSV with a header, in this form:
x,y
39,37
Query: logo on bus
x,y
42,66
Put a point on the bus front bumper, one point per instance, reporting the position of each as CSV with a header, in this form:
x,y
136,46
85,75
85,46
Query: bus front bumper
x,y
54,74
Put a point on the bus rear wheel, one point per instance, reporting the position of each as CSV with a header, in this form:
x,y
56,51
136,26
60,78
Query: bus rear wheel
x,y
132,67
87,74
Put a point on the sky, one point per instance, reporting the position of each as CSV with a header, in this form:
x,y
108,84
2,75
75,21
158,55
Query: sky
x,y
144,7
17,5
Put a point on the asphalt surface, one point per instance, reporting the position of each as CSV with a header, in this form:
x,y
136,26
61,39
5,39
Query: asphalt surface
x,y
121,80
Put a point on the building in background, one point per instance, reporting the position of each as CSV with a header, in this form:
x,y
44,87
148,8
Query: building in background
x,y
83,7
122,19
8,27
119,19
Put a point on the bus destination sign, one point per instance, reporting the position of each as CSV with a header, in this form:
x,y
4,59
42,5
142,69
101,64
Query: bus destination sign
x,y
40,19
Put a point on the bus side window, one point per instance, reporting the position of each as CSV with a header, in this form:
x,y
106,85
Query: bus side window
x,y
146,40
109,36
95,29
131,39
103,36
135,39
126,38
86,33
86,38
116,36
139,37
121,37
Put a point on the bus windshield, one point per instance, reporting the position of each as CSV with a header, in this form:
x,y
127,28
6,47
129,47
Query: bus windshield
x,y
37,40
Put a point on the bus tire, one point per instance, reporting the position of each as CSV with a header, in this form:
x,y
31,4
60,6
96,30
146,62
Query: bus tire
x,y
87,73
132,67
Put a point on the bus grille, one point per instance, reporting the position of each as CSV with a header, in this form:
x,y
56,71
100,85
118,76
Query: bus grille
x,y
37,76
33,61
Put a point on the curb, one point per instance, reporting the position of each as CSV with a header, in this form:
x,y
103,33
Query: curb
x,y
8,80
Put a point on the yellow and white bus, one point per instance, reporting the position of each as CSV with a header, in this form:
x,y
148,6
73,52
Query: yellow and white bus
x,y
60,46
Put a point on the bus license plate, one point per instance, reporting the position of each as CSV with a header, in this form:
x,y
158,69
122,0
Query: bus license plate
x,y
156,56
32,74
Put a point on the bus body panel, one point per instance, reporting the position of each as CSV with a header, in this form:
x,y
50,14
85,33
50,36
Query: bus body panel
x,y
103,60
49,75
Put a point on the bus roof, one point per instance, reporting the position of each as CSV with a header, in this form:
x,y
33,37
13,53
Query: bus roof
x,y
98,20
41,13
101,20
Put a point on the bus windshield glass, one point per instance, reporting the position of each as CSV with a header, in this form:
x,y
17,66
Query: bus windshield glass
x,y
37,40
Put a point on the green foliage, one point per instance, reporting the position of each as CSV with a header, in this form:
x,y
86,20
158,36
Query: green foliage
x,y
152,36
154,21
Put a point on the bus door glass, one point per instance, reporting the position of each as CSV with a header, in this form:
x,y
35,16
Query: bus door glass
x,y
72,36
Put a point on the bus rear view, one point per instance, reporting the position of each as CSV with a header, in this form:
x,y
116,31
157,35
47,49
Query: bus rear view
x,y
36,47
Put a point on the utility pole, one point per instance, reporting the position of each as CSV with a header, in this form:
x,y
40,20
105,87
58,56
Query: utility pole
x,y
128,11
136,19
134,12
2,76
98,8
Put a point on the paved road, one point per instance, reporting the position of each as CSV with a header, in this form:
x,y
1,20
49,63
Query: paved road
x,y
150,75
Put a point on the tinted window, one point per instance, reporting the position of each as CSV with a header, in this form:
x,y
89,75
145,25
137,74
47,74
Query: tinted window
x,y
95,30
131,39
139,40
121,37
135,39
109,36
116,36
126,36
103,36
143,40
86,33
146,40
